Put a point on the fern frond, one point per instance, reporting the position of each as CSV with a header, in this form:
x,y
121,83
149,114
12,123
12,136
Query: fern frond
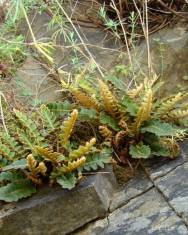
x,y
119,137
178,114
26,139
29,125
68,126
171,145
144,111
6,152
110,103
133,93
48,117
170,103
85,100
33,168
73,165
147,103
82,150
48,154
41,168
31,163
10,141
105,132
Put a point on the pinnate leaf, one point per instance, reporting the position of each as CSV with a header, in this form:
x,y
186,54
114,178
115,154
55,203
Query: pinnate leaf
x,y
98,159
67,181
12,192
19,164
159,128
140,151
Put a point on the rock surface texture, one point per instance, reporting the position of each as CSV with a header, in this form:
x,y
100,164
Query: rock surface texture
x,y
156,203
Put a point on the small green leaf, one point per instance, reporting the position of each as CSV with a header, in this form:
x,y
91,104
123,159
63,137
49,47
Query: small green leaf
x,y
12,192
98,159
48,117
19,164
159,128
110,122
140,151
154,142
118,83
10,176
87,114
131,106
60,108
67,181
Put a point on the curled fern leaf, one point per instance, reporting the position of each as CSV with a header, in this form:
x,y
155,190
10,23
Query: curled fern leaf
x,y
85,100
71,166
105,132
48,154
82,150
170,103
144,111
178,114
110,103
133,93
68,126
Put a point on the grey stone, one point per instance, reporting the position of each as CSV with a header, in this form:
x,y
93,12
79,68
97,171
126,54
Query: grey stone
x,y
184,147
33,83
158,166
136,186
57,211
104,48
146,214
175,188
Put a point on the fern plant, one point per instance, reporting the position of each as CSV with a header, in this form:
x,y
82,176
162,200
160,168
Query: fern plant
x,y
34,152
135,122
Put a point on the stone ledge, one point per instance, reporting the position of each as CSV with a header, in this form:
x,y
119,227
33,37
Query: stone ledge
x,y
133,188
174,186
57,211
158,166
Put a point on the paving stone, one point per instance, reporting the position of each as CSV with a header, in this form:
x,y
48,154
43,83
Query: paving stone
x,y
158,166
174,186
144,215
137,185
57,211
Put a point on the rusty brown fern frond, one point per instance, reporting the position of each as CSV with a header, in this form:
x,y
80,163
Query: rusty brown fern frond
x,y
110,103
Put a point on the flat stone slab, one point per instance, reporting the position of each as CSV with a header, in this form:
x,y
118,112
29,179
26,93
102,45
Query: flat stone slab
x,y
57,211
175,188
134,187
146,214
158,166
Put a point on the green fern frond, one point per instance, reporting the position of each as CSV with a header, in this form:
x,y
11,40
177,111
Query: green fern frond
x,y
10,142
29,125
48,117
6,152
25,139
